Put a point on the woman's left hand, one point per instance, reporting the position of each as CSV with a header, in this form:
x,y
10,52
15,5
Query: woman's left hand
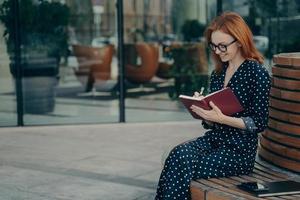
x,y
213,115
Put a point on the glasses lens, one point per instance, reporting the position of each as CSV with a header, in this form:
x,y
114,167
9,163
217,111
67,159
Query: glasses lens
x,y
222,47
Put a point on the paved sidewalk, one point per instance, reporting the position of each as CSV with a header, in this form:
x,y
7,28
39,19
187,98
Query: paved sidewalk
x,y
87,162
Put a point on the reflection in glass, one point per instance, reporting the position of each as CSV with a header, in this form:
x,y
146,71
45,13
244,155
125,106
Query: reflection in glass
x,y
69,56
165,56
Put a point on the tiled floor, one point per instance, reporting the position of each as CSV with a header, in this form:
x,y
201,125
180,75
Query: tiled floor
x,y
95,162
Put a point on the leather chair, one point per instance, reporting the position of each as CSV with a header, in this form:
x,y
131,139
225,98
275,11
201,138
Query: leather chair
x,y
94,64
146,70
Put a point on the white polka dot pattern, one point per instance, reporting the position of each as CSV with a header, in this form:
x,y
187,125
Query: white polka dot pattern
x,y
223,150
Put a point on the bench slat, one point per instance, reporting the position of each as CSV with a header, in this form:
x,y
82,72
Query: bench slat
x,y
280,161
266,169
267,175
225,188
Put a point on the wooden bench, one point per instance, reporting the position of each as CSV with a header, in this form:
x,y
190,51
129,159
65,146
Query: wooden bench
x,y
279,144
225,188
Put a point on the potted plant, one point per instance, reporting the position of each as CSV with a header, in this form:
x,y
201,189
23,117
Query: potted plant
x,y
189,69
190,66
192,30
44,40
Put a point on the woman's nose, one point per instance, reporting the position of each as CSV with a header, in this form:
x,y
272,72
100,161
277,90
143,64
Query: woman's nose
x,y
217,51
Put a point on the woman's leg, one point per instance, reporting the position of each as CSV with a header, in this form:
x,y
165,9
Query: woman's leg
x,y
198,159
179,169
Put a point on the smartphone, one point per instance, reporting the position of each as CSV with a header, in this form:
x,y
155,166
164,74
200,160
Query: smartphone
x,y
253,186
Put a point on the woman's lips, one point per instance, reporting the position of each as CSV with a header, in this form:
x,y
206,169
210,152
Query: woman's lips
x,y
223,56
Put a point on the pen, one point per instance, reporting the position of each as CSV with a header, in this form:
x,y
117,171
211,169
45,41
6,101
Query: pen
x,y
201,90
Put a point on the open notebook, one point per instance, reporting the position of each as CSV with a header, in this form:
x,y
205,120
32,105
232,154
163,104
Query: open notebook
x,y
224,99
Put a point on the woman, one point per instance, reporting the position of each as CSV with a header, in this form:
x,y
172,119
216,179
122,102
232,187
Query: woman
x,y
229,147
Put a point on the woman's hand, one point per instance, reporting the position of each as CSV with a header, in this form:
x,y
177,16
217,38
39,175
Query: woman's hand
x,y
198,95
213,115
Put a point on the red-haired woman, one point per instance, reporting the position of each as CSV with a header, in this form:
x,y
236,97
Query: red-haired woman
x,y
229,147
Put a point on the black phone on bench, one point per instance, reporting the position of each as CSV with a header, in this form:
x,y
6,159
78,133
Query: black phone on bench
x,y
253,186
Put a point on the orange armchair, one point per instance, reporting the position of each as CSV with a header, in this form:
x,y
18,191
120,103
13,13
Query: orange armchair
x,y
142,73
94,64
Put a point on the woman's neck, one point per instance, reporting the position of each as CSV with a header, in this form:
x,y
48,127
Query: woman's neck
x,y
236,62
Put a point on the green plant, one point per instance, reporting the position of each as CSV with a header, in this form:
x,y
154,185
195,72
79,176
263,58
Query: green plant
x,y
43,26
192,30
43,41
185,70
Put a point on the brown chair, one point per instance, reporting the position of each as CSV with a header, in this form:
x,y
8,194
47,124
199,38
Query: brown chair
x,y
94,64
144,72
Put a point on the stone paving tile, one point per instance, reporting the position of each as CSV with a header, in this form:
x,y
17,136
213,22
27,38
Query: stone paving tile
x,y
10,193
111,161
75,188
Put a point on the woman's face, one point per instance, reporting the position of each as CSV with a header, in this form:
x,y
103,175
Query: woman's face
x,y
224,45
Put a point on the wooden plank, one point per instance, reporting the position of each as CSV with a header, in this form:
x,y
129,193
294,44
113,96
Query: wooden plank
x,y
198,190
286,152
219,195
285,95
239,179
284,116
285,127
252,178
287,59
286,72
281,138
274,198
285,105
267,169
279,161
262,178
286,83
223,182
289,197
226,190
263,174
230,180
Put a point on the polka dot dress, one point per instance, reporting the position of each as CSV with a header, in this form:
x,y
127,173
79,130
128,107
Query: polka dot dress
x,y
223,150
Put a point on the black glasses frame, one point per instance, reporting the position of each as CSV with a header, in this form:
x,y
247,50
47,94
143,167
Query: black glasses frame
x,y
221,47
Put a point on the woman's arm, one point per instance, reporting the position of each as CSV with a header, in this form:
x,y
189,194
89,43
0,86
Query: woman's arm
x,y
258,109
233,121
215,115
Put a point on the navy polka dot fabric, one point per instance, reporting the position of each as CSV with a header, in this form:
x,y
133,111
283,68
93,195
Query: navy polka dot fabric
x,y
223,150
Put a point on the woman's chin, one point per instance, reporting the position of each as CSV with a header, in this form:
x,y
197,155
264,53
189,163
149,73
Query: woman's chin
x,y
224,59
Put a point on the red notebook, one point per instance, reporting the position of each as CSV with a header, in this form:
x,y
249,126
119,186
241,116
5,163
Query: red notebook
x,y
224,99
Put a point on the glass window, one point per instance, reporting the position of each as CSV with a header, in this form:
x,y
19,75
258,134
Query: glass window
x,y
272,24
165,56
8,105
68,63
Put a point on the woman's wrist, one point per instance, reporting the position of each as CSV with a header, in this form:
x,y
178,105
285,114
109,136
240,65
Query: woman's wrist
x,y
232,121
222,119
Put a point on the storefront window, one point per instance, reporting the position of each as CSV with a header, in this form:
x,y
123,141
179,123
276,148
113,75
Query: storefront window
x,y
65,54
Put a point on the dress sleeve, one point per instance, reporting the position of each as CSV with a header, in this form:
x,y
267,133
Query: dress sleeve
x,y
207,126
259,102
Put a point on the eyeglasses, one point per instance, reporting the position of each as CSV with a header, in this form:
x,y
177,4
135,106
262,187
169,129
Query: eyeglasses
x,y
221,47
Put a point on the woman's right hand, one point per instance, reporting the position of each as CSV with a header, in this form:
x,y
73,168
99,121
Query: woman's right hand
x,y
198,95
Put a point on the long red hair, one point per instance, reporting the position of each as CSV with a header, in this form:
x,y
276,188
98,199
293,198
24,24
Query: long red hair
x,y
233,24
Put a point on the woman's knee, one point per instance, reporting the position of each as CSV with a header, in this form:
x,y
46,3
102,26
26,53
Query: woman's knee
x,y
180,151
